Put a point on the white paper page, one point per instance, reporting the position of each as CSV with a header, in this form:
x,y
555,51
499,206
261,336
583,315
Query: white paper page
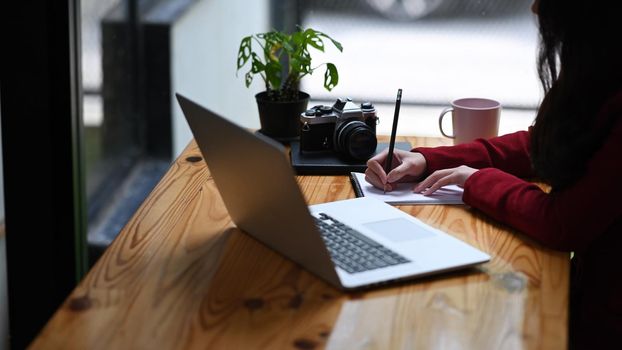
x,y
404,194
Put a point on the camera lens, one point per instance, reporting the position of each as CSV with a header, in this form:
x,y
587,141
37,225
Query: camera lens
x,y
310,113
356,140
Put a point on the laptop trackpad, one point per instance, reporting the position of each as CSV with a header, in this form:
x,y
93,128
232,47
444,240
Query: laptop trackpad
x,y
398,230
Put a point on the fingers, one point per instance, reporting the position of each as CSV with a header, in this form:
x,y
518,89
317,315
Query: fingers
x,y
379,158
437,180
399,172
372,179
455,176
375,175
377,163
376,172
444,181
403,170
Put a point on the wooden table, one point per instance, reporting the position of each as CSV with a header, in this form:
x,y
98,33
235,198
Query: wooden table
x,y
181,275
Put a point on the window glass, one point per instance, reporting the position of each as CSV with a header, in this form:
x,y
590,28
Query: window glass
x,y
436,51
122,162
135,55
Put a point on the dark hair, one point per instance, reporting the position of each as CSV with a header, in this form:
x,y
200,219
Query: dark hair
x,y
580,67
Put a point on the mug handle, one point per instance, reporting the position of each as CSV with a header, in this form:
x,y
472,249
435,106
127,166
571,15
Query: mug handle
x,y
440,121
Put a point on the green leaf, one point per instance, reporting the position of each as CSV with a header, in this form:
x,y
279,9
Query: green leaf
x,y
248,79
314,40
300,63
288,47
295,64
272,51
335,42
305,62
244,53
273,74
282,37
275,38
297,38
331,77
257,65
274,46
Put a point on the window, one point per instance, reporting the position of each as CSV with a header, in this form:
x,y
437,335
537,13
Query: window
x,y
126,131
135,55
437,51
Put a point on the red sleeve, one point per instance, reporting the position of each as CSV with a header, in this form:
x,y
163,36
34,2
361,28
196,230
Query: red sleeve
x,y
565,220
509,153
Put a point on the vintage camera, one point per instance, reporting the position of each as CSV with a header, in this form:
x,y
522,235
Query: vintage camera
x,y
344,128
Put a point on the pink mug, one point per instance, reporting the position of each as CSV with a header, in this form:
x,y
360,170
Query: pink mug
x,y
472,118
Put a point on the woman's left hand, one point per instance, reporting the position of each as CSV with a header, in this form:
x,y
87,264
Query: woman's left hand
x,y
440,178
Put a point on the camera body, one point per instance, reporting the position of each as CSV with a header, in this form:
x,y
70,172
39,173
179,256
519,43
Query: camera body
x,y
344,128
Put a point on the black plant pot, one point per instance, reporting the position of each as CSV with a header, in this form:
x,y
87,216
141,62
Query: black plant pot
x,y
281,120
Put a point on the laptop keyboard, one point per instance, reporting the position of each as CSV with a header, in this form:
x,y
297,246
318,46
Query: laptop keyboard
x,y
351,250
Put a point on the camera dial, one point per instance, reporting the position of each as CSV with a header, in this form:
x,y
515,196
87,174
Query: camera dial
x,y
324,110
367,106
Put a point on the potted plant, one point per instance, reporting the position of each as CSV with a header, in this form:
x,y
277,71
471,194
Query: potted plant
x,y
282,60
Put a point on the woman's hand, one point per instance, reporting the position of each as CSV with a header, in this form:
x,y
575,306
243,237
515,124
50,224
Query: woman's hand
x,y
407,167
440,178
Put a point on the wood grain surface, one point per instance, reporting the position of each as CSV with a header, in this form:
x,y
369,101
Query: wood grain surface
x,y
181,275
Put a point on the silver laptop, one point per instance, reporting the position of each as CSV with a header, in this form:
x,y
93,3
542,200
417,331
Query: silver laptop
x,y
352,243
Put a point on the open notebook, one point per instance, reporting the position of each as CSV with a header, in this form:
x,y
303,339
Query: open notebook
x,y
403,194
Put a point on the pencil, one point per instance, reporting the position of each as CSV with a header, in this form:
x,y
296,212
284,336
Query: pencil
x,y
398,102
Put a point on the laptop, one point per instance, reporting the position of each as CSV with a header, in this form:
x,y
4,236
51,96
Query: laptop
x,y
352,244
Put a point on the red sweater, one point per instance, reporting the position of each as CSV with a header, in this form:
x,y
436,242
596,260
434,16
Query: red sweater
x,y
585,218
